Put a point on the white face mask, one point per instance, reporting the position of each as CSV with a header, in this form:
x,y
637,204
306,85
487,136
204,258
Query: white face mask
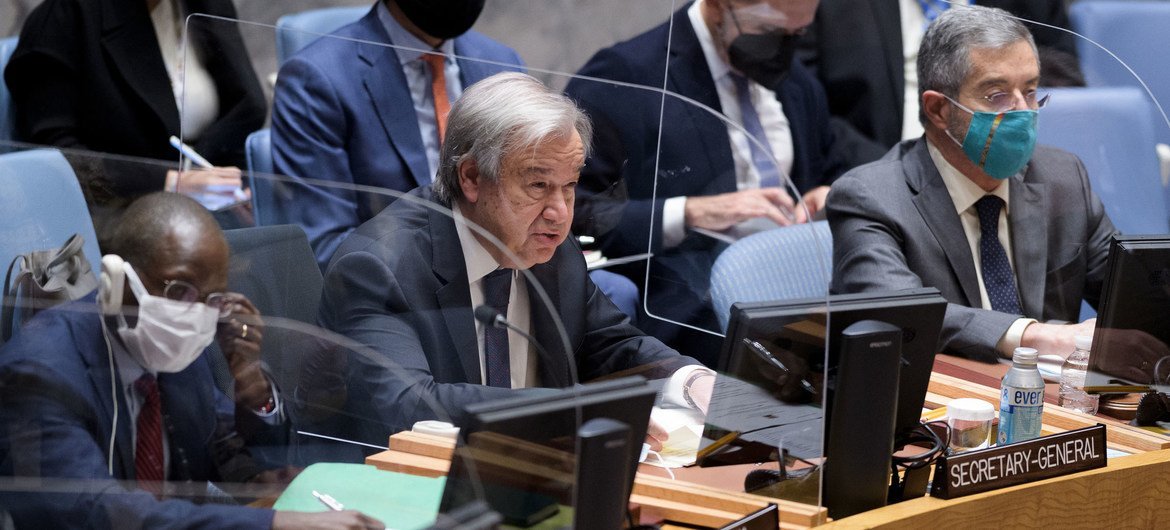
x,y
169,335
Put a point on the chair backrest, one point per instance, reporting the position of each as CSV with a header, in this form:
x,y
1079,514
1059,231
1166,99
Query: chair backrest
x,y
784,263
258,152
297,30
1112,131
276,269
1136,31
41,205
7,120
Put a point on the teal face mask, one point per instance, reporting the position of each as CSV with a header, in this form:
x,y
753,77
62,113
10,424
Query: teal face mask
x,y
1000,144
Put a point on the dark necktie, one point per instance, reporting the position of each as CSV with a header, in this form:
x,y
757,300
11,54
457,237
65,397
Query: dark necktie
x,y
148,450
998,278
761,157
932,9
496,288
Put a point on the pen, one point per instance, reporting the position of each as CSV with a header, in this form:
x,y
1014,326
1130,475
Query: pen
x,y
190,153
329,501
763,353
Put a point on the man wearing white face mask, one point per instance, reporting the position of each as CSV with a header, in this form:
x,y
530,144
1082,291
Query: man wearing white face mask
x,y
1010,233
119,390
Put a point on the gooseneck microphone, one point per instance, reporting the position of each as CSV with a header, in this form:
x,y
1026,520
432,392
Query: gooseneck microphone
x,y
490,317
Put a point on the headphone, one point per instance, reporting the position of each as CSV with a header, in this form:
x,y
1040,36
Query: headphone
x,y
110,286
113,280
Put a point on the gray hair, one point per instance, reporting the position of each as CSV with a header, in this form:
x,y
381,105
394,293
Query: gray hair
x,y
504,113
944,57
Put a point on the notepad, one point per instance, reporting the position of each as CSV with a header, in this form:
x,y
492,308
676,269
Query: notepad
x,y
399,500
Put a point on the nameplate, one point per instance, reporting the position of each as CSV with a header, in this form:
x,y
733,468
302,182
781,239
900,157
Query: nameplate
x,y
1000,467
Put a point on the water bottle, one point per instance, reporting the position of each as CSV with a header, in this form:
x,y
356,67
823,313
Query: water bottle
x,y
1072,373
1021,399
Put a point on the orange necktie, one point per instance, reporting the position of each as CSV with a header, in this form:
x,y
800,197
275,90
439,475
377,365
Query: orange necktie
x,y
439,91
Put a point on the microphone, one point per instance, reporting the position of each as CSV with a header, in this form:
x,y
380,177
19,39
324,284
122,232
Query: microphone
x,y
490,317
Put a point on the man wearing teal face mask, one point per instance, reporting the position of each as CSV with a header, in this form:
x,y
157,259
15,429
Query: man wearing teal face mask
x,y
1009,232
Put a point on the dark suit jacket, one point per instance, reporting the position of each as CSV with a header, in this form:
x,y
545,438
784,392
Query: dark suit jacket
x,y
55,420
895,227
88,74
614,199
343,113
855,47
398,286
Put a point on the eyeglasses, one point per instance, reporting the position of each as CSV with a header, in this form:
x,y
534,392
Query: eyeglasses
x,y
1006,101
181,291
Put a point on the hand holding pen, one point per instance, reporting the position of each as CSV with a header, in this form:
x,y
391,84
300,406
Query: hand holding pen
x,y
222,184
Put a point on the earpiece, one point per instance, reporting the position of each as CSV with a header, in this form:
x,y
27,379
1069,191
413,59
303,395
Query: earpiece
x,y
113,280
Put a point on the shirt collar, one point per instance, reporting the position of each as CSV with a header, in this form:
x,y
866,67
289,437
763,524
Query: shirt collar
x,y
476,257
719,68
408,47
128,369
964,193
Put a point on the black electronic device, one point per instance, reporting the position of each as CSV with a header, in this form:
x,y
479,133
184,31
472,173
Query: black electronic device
x,y
766,518
603,452
521,455
786,359
1135,300
857,468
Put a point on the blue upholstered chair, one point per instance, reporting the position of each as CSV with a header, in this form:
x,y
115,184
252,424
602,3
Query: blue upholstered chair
x,y
784,263
1136,31
41,205
267,189
297,30
1111,129
7,120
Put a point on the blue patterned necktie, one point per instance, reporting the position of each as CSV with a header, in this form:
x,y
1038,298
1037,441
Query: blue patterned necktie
x,y
998,278
932,9
761,157
497,286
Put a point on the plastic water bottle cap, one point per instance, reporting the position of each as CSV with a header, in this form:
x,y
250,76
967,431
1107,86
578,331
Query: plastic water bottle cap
x,y
970,409
1025,355
1083,342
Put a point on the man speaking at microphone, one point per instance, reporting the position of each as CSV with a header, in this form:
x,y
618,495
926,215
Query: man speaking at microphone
x,y
407,283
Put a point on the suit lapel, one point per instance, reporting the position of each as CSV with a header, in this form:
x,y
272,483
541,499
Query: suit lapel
x,y
129,40
938,210
690,76
455,295
390,95
554,372
472,67
1029,228
98,368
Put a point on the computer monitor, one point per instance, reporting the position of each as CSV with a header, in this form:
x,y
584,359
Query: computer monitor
x,y
1135,299
793,404
525,457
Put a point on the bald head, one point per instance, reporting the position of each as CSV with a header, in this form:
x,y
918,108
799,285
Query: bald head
x,y
168,236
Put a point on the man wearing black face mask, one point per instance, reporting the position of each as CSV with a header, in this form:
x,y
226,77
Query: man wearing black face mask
x,y
367,106
109,416
736,57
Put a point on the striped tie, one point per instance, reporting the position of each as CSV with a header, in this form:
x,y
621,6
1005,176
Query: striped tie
x,y
148,450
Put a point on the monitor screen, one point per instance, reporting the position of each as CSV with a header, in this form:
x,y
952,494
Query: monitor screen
x,y
519,454
1131,334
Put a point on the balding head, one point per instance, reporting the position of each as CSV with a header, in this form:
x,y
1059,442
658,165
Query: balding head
x,y
168,236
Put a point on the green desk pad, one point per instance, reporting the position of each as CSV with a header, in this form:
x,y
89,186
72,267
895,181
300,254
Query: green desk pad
x,y
399,500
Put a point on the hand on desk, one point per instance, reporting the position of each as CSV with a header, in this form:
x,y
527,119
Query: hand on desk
x,y
226,181
1055,339
345,519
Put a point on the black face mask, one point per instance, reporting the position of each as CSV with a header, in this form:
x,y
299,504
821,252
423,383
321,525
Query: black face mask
x,y
765,58
442,19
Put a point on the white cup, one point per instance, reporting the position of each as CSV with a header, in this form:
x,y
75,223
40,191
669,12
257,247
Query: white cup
x,y
437,428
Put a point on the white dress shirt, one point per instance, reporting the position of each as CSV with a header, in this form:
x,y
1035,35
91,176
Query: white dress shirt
x,y
772,118
410,50
964,194
195,94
